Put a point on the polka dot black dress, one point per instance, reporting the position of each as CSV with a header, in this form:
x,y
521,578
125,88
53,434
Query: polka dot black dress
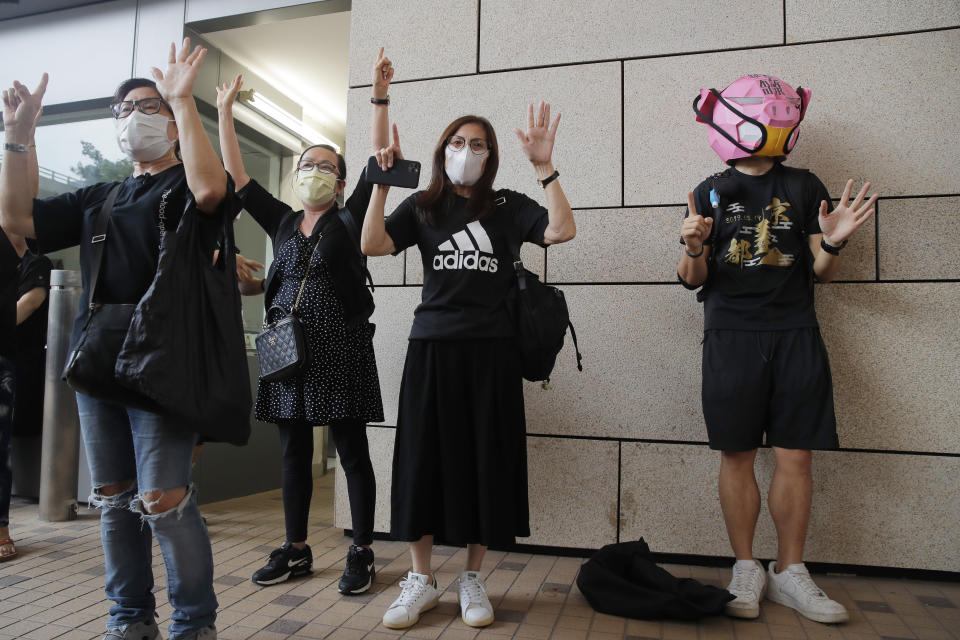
x,y
341,379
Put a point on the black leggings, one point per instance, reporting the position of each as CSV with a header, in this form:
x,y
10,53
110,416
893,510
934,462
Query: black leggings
x,y
350,438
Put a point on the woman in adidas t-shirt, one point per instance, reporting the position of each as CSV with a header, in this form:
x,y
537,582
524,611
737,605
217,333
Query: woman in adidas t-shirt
x,y
459,466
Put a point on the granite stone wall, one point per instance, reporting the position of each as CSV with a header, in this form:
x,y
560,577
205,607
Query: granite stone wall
x,y
619,451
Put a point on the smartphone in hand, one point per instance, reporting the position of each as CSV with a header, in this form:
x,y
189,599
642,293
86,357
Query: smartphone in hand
x,y
403,173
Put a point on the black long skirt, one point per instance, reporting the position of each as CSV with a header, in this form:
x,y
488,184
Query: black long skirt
x,y
460,457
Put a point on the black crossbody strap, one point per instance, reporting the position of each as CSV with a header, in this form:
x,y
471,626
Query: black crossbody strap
x,y
99,240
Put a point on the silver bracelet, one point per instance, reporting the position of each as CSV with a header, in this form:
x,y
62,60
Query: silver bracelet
x,y
13,146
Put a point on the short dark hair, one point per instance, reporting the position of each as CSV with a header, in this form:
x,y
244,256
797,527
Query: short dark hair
x,y
341,163
129,85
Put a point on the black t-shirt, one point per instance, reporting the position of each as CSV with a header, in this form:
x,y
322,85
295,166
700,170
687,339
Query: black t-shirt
x,y
146,206
467,265
762,274
34,273
9,278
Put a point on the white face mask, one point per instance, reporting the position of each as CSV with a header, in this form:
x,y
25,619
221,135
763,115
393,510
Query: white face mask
x,y
143,137
464,167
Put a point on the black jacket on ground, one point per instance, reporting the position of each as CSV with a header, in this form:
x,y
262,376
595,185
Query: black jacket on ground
x,y
622,580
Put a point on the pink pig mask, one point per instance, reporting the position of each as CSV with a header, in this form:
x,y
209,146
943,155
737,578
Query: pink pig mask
x,y
757,115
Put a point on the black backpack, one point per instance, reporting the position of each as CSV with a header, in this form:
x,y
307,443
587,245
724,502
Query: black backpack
x,y
541,319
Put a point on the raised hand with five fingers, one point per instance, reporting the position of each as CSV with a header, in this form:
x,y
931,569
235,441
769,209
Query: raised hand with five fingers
x,y
838,225
227,93
176,83
537,141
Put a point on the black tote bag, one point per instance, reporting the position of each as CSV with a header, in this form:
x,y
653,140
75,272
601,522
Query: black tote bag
x,y
185,347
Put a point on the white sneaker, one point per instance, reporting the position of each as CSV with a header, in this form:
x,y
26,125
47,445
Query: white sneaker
x,y
418,593
749,583
475,606
794,588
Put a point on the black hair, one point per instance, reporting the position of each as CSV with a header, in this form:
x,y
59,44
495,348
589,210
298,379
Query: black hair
x,y
341,163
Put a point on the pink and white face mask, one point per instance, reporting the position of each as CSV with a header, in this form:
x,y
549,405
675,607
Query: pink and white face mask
x,y
757,115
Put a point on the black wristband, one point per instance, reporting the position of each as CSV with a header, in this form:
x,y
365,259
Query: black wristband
x,y
263,285
834,251
380,100
693,255
550,178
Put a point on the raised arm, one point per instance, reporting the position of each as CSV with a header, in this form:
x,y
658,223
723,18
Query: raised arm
x,y
837,227
18,175
380,120
229,144
537,145
694,231
374,239
206,177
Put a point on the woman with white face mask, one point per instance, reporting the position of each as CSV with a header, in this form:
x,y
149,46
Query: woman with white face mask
x,y
139,461
316,253
459,466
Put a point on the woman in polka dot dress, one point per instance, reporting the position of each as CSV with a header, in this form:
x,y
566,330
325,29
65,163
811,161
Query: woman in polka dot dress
x,y
340,387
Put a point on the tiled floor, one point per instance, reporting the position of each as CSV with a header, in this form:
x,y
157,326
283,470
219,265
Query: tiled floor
x,y
55,590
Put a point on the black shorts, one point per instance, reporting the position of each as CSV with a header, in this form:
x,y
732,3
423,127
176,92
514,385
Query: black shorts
x,y
776,382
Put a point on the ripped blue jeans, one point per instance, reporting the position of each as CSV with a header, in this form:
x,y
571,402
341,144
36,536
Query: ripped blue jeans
x,y
141,452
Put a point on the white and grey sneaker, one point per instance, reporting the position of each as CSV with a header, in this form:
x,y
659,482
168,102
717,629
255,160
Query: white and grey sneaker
x,y
418,593
475,606
793,587
748,584
139,630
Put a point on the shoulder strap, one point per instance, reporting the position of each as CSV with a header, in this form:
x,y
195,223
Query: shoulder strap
x,y
500,200
353,233
99,240
794,184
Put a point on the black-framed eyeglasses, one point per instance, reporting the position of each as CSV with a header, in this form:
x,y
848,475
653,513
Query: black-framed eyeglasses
x,y
478,145
322,167
147,106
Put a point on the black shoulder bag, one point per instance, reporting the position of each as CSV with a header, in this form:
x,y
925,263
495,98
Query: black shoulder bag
x,y
90,366
281,347
541,320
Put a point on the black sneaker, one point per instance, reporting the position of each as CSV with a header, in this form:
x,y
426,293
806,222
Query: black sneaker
x,y
285,563
358,576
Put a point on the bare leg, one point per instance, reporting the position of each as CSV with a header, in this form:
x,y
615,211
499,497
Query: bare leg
x,y
739,500
420,553
791,492
475,553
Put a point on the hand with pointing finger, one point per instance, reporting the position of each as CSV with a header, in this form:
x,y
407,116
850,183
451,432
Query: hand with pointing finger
x,y
838,225
695,229
386,155
21,109
382,75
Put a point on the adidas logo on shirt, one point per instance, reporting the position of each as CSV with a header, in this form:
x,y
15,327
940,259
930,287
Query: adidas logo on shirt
x,y
465,249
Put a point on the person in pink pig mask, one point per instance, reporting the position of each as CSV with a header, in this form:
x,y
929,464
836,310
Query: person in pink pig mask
x,y
755,238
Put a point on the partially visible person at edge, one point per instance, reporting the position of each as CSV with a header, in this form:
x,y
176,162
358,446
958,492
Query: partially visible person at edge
x,y
139,460
15,307
756,238
459,466
339,387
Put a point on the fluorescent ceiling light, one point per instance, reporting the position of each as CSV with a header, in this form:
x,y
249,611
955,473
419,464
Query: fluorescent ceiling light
x,y
270,110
